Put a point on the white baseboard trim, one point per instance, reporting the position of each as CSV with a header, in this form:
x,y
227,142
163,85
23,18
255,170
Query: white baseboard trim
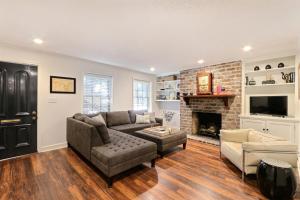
x,y
53,147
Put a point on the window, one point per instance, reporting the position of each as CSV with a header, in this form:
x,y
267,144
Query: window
x,y
141,95
97,95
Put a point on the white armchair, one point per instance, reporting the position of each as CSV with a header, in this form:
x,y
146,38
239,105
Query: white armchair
x,y
246,147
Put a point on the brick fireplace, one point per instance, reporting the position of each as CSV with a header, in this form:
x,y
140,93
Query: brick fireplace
x,y
229,75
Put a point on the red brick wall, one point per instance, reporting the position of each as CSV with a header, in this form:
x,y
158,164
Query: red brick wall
x,y
229,75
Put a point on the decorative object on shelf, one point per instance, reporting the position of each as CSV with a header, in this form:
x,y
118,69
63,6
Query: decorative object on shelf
x,y
223,89
280,65
256,68
268,67
268,82
252,82
276,179
162,97
292,77
178,95
247,80
185,94
219,89
204,83
191,93
174,77
62,85
172,96
288,77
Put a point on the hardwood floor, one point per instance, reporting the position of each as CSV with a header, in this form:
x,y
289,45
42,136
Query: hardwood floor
x,y
194,173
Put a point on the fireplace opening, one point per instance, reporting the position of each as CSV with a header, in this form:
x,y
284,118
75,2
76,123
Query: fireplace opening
x,y
207,124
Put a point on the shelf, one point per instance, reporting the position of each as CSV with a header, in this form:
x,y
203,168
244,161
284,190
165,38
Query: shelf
x,y
264,71
224,97
270,85
160,100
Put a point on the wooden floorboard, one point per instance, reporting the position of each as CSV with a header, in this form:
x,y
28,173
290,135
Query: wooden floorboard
x,y
194,173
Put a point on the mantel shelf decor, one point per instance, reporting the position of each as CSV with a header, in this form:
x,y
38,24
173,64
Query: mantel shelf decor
x,y
224,97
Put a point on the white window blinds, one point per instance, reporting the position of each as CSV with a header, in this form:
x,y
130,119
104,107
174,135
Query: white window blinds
x,y
141,95
97,93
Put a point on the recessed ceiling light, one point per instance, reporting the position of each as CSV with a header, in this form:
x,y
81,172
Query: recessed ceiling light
x,y
201,61
247,48
152,69
38,41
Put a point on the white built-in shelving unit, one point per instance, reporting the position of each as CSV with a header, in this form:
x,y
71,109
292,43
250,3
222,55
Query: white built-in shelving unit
x,y
287,127
167,90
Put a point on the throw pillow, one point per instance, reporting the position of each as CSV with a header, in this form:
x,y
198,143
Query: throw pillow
x,y
99,119
79,116
101,128
142,119
152,116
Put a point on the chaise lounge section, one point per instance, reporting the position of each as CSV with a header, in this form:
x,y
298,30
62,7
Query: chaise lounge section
x,y
122,152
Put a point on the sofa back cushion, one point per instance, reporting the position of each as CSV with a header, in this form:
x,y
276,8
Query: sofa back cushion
x,y
133,113
256,136
117,118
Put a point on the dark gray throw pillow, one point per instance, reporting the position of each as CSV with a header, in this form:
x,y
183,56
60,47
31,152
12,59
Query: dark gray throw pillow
x,y
101,128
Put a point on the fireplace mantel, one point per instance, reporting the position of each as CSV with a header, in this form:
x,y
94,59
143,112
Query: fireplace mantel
x,y
224,97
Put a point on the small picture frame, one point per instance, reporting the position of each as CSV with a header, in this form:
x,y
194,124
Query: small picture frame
x,y
204,83
62,85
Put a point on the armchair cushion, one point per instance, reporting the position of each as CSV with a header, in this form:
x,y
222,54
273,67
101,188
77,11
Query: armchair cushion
x,y
235,135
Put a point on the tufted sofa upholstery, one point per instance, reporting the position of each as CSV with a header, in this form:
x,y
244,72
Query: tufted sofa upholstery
x,y
122,153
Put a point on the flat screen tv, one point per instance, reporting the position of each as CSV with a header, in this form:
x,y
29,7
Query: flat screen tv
x,y
269,105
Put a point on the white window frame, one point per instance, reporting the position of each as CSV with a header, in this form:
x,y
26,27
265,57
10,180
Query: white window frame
x,y
112,89
150,93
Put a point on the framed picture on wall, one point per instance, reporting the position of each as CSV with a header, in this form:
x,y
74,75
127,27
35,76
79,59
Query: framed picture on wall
x,y
63,85
204,83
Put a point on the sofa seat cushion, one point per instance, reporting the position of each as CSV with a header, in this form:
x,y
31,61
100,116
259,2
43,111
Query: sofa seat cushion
x,y
131,128
123,147
117,118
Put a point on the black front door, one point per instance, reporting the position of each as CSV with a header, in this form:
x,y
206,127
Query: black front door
x,y
18,109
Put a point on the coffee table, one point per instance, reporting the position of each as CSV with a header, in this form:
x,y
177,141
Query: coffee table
x,y
164,141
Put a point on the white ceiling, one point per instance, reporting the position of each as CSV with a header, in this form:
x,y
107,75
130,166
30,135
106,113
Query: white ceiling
x,y
169,35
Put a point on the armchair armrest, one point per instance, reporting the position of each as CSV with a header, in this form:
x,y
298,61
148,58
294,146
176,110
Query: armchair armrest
x,y
282,147
234,135
159,120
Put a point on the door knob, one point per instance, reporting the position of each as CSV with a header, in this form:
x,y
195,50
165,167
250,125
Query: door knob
x,y
34,115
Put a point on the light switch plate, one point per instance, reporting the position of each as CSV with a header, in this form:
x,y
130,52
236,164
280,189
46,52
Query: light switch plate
x,y
52,99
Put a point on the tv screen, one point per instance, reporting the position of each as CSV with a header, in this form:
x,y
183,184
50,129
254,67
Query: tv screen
x,y
270,105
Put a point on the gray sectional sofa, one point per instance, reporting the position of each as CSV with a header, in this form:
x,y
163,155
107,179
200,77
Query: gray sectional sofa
x,y
123,150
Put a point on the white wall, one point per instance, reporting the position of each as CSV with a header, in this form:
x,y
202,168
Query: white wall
x,y
52,116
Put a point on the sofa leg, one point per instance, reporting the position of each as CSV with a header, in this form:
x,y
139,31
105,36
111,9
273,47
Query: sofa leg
x,y
109,181
69,146
153,163
184,145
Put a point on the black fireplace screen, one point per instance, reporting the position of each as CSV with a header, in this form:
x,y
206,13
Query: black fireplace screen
x,y
208,124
